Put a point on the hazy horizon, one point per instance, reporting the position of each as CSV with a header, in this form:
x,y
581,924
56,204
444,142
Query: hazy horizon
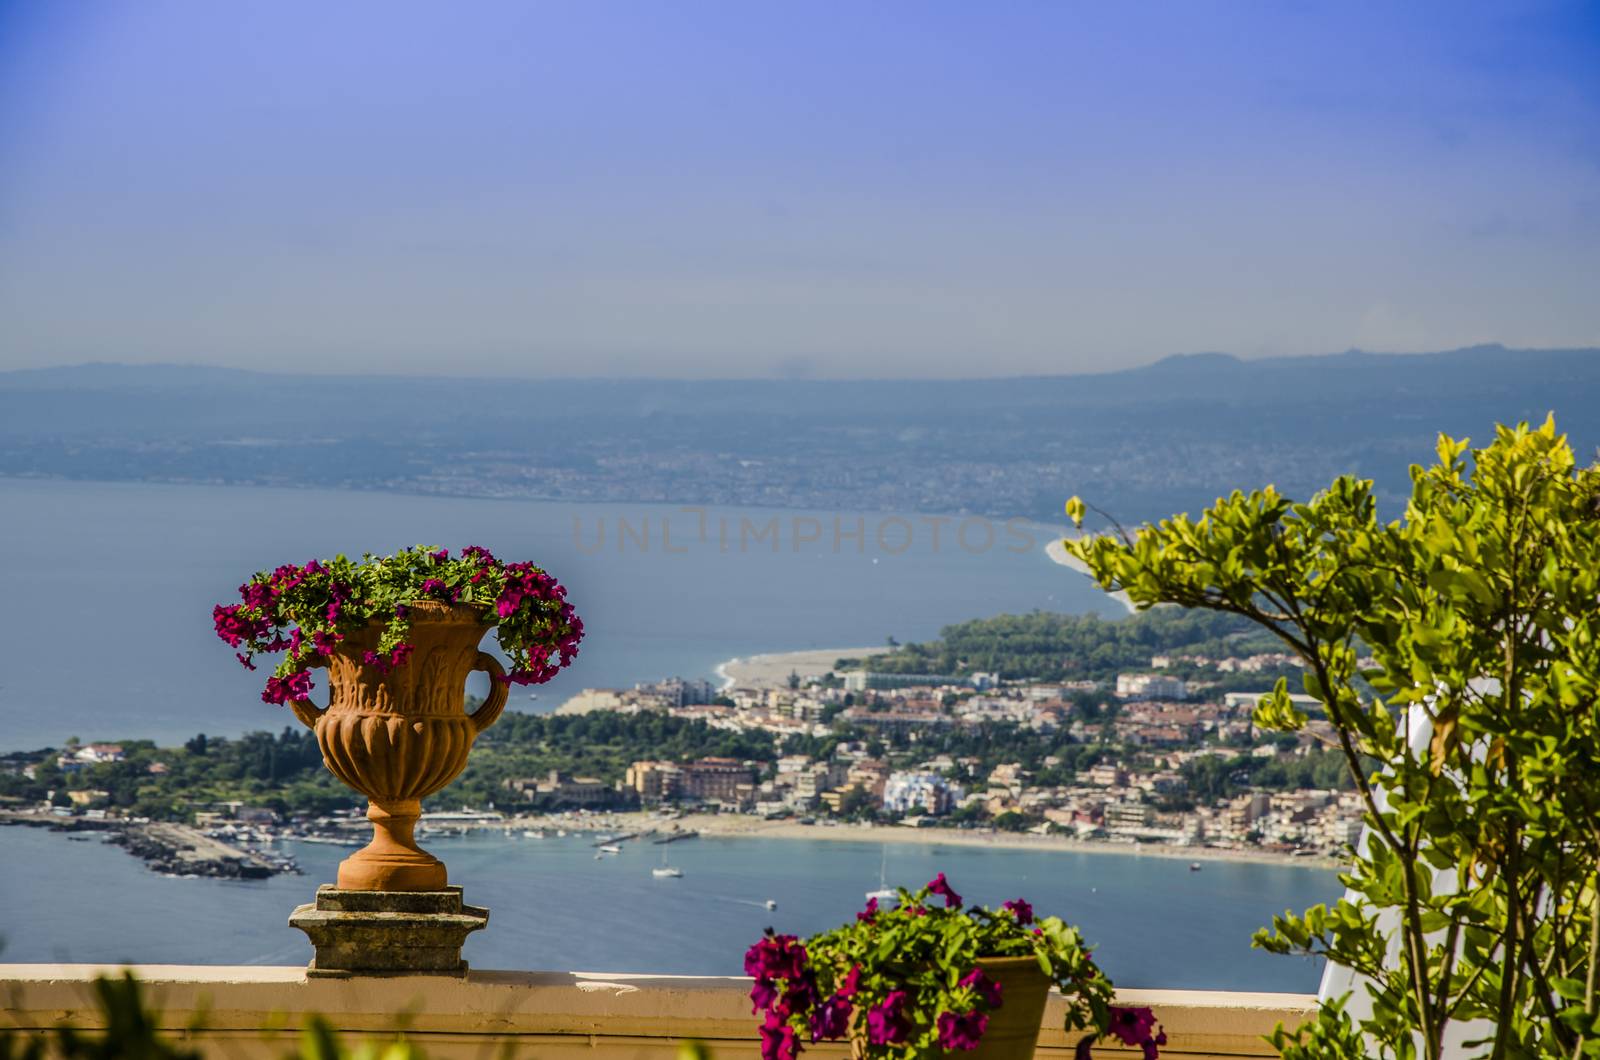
x,y
827,191
382,371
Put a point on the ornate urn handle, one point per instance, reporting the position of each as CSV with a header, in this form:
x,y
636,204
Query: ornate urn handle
x,y
307,711
499,692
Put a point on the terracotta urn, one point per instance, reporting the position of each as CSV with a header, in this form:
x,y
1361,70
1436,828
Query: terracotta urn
x,y
401,734
1013,1031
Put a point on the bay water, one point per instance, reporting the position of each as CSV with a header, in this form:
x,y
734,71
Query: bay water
x,y
106,589
105,633
553,906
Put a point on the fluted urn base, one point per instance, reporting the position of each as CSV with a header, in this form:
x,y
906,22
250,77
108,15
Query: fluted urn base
x,y
392,861
388,932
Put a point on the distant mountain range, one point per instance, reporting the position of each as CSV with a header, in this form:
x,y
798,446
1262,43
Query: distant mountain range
x,y
1141,443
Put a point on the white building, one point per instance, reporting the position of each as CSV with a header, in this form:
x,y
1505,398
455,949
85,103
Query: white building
x,y
930,791
1151,686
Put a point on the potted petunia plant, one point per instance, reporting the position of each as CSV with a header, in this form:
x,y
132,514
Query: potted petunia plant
x,y
399,635
930,978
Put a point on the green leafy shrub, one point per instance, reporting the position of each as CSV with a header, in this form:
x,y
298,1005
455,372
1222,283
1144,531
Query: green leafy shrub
x,y
1480,609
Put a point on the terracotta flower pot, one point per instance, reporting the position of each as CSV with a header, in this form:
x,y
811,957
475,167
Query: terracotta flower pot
x,y
399,736
1013,1032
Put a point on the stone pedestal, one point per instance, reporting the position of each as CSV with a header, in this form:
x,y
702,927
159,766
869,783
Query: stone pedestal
x,y
388,932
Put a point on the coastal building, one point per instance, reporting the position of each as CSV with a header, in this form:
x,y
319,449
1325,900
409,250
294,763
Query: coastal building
x,y
863,680
1106,775
1245,702
725,780
715,779
929,792
679,691
654,781
870,775
1151,686
556,790
896,721
1128,816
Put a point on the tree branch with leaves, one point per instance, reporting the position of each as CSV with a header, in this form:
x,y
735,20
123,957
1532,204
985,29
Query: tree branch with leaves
x,y
1475,618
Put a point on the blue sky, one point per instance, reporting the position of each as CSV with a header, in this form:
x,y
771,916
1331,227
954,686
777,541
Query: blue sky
x,y
790,189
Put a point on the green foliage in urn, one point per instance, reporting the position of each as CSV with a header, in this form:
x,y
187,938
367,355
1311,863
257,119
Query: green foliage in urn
x,y
1480,609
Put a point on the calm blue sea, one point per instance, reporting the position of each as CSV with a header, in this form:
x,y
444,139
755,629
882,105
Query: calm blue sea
x,y
105,632
552,906
105,627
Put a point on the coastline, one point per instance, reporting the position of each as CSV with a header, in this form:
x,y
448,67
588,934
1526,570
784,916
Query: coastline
x,y
1058,553
735,826
772,669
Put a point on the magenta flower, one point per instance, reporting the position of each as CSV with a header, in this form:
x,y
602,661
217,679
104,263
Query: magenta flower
x,y
441,555
283,689
888,1023
1132,1026
775,957
1020,909
940,886
831,1021
439,590
852,982
763,995
234,627
961,1031
799,996
257,596
778,1040
987,989
870,913
324,642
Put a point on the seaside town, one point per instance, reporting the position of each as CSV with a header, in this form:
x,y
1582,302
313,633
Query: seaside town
x,y
1161,759
1157,732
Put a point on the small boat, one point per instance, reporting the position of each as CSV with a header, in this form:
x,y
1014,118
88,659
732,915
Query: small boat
x,y
1194,866
771,904
599,857
665,871
531,834
610,849
884,893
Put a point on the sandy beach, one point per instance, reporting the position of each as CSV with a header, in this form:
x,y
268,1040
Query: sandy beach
x,y
772,670
737,826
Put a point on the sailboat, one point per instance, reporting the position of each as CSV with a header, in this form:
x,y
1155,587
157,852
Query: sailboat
x,y
666,872
884,893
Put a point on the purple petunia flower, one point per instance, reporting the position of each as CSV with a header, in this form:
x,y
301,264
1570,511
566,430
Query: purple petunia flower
x,y
1132,1026
961,1031
887,1021
940,886
1020,908
778,1040
831,1021
283,689
775,957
